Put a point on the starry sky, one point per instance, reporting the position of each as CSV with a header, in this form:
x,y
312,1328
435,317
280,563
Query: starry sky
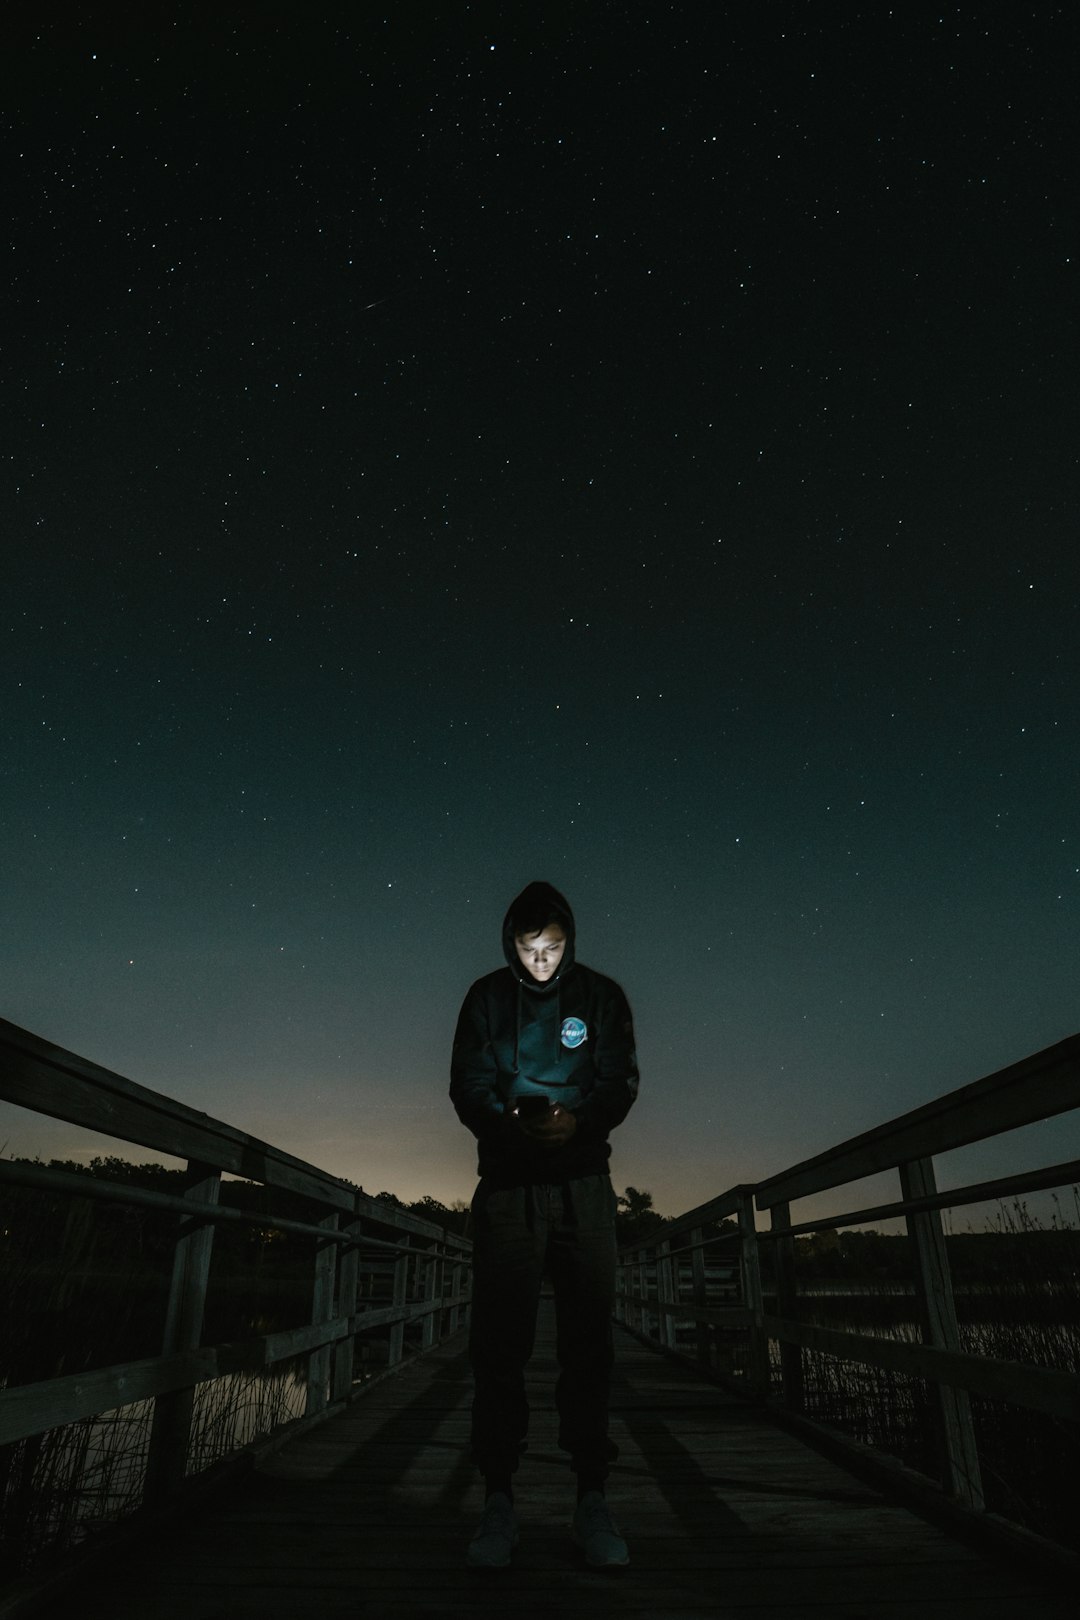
x,y
632,446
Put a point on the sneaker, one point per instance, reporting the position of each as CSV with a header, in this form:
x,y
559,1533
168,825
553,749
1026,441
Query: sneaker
x,y
595,1532
496,1535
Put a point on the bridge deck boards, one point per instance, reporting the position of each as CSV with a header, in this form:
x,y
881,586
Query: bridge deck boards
x,y
368,1516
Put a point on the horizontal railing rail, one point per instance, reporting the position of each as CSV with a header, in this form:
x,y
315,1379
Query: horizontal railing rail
x,y
1037,1088
379,1270
375,1272
48,1080
981,1192
26,1173
663,1288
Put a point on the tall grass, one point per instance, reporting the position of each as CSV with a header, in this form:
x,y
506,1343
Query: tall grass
x,y
233,1412
64,1484
1031,1314
85,1286
1018,1299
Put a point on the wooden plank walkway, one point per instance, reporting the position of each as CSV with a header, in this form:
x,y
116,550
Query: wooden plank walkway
x,y
368,1516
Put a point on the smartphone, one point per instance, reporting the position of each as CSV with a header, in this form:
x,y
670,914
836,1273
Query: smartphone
x,y
531,1107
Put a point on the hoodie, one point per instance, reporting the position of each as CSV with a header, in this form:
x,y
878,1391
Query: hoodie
x,y
570,1039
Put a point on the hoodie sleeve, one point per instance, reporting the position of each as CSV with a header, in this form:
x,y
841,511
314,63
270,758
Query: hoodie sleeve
x,y
615,1069
472,1069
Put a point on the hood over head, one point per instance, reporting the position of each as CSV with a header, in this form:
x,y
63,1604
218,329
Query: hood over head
x,y
536,906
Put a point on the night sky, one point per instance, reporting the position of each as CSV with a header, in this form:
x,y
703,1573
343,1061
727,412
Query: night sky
x,y
631,446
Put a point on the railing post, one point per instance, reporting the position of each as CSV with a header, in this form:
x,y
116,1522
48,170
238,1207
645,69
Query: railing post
x,y
700,1291
170,1434
633,1294
787,1304
643,1292
396,1347
432,1292
455,1291
665,1295
464,1287
322,1310
750,1269
341,1379
934,1292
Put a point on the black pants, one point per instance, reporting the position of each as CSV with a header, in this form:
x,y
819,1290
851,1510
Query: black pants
x,y
568,1229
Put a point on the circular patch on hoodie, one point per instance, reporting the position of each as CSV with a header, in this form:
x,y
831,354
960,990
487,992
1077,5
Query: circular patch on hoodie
x,y
573,1031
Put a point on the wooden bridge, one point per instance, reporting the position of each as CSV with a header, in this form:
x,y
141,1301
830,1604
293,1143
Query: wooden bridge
x,y
734,1501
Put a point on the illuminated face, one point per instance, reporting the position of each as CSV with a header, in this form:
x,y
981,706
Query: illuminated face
x,y
540,954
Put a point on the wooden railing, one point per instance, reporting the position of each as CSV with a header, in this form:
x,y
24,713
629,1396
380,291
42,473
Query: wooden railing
x,y
352,1238
702,1269
663,1281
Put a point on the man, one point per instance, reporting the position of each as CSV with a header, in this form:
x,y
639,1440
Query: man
x,y
543,1068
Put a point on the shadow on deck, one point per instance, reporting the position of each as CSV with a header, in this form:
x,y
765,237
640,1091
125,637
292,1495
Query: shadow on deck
x,y
368,1515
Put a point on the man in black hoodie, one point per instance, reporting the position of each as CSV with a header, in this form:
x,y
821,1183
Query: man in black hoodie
x,y
543,1068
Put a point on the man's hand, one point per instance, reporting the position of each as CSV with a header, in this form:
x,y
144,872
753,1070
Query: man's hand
x,y
554,1127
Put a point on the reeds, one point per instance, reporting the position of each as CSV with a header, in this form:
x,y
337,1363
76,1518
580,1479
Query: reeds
x,y
84,1286
236,1411
64,1484
1017,1290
